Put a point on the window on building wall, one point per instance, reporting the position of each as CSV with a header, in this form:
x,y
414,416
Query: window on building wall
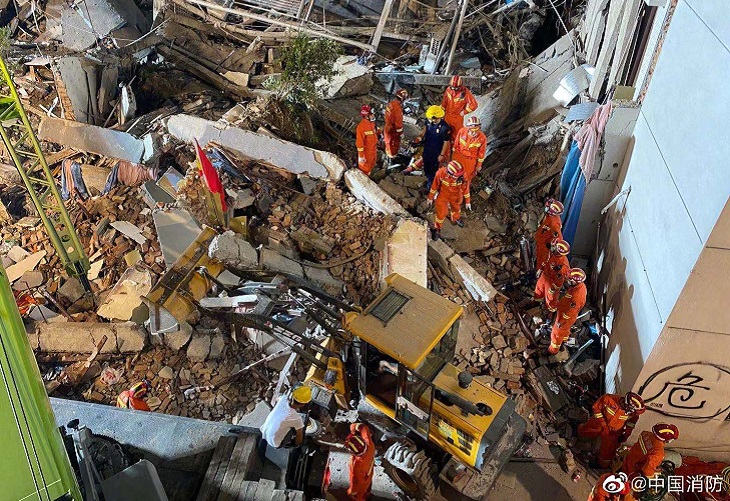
x,y
639,45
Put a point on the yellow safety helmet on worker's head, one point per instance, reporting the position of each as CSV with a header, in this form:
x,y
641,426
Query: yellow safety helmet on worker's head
x,y
435,111
302,394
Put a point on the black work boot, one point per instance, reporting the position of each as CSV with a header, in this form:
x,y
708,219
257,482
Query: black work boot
x,y
459,223
435,234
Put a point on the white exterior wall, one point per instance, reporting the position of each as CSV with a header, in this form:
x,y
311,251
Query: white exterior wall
x,y
679,174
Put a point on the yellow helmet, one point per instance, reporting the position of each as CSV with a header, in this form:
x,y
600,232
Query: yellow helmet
x,y
435,111
302,394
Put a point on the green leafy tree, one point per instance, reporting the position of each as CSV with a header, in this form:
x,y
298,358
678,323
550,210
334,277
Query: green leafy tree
x,y
307,68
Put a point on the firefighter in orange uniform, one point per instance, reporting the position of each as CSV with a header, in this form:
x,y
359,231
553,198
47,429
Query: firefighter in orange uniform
x,y
457,101
393,130
647,454
360,443
568,309
470,148
599,492
614,418
552,274
450,190
133,398
550,228
366,140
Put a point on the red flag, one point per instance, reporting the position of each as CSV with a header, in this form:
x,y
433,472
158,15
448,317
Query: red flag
x,y
210,175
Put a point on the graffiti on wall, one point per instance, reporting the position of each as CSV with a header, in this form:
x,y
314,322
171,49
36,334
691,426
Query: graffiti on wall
x,y
692,390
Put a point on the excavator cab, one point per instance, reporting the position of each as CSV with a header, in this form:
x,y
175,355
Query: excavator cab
x,y
407,342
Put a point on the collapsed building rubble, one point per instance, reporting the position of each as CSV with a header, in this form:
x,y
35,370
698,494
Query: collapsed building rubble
x,y
289,212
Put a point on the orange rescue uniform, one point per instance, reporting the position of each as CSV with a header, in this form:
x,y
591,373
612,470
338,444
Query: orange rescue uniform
x,y
457,103
470,152
569,307
451,194
366,140
124,401
551,280
610,422
361,467
393,127
644,457
550,229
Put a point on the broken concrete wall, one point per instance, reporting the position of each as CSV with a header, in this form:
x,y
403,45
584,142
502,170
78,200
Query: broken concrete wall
x,y
369,193
82,337
275,152
406,252
106,142
528,91
105,16
90,86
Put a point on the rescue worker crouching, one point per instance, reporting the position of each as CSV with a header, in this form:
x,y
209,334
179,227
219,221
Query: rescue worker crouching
x,y
613,420
552,274
284,425
133,398
449,190
646,455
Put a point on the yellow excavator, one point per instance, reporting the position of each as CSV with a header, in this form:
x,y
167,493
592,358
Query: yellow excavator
x,y
403,345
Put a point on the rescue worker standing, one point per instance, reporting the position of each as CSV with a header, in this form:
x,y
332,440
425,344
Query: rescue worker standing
x,y
470,148
360,443
613,420
568,308
436,142
457,102
552,274
549,229
366,140
284,425
647,454
393,130
450,190
133,398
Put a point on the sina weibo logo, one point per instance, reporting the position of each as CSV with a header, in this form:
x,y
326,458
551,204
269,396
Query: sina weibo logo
x,y
615,484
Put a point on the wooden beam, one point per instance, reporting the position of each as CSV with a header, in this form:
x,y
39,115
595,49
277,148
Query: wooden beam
x,y
375,41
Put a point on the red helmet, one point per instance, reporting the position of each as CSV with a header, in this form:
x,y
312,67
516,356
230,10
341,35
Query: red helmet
x,y
578,275
456,81
665,432
402,93
455,169
356,444
554,207
365,111
632,401
473,121
139,390
561,247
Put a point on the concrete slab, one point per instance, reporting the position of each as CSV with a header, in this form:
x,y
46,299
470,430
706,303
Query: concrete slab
x,y
369,193
439,252
271,260
82,337
478,286
406,252
124,302
176,230
106,142
129,230
28,263
234,251
324,279
276,152
104,15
